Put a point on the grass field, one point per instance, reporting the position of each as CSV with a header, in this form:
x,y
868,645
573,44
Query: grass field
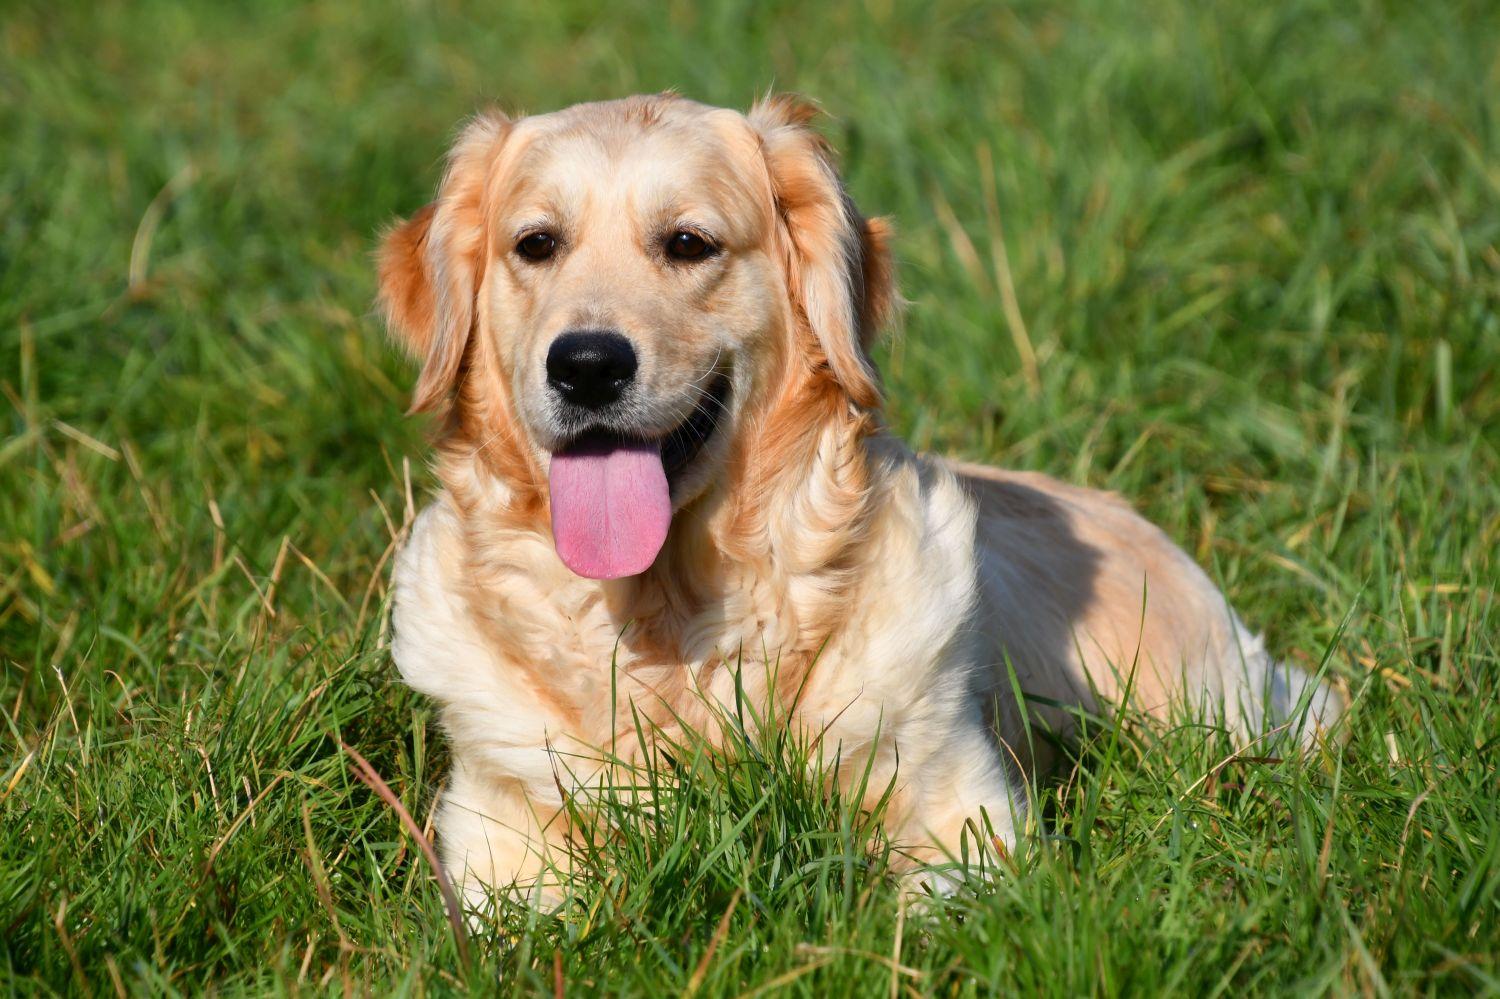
x,y
1237,261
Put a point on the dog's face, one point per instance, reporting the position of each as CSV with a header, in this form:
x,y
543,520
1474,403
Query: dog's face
x,y
634,278
633,288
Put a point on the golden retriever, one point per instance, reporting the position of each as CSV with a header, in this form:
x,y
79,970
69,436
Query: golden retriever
x,y
646,324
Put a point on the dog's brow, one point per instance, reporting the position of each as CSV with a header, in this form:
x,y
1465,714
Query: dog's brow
x,y
531,224
678,222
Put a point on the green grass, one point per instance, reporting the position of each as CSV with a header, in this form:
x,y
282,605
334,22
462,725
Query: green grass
x,y
1253,249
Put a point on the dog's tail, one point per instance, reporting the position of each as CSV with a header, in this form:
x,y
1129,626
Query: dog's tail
x,y
1272,701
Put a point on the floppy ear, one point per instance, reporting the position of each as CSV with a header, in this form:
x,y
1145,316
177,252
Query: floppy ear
x,y
431,265
839,263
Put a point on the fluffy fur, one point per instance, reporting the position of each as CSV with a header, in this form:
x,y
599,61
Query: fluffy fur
x,y
889,589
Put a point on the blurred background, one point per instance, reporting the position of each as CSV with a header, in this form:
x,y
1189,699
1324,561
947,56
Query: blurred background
x,y
1237,261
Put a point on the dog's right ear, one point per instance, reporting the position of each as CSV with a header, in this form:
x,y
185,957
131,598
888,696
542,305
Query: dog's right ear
x,y
431,265
838,263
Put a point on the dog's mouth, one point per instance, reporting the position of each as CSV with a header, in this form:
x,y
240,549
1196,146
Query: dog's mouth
x,y
612,492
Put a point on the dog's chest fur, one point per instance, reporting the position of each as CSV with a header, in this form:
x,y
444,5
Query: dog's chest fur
x,y
532,665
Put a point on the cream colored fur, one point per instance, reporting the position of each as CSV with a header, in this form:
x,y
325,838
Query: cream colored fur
x,y
893,592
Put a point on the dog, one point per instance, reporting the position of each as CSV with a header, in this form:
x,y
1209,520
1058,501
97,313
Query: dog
x,y
645,325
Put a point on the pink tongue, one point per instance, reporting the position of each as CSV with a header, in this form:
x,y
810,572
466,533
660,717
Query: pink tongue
x,y
610,508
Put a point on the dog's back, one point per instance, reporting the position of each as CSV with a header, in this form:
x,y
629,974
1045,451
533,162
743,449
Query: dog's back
x,y
1088,601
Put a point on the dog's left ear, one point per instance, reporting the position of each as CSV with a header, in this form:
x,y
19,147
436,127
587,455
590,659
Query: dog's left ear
x,y
839,263
431,265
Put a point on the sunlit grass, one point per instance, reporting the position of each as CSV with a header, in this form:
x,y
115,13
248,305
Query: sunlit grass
x,y
1237,262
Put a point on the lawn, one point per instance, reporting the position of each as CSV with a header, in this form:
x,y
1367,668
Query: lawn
x,y
1239,262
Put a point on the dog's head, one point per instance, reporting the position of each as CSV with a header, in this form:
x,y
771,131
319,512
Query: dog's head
x,y
620,291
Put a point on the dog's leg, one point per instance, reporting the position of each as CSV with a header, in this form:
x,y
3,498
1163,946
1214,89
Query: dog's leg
x,y
493,840
963,802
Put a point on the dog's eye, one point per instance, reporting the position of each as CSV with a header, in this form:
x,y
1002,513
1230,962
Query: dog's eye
x,y
538,246
684,245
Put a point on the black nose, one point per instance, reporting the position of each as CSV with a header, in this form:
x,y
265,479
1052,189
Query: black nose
x,y
590,368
